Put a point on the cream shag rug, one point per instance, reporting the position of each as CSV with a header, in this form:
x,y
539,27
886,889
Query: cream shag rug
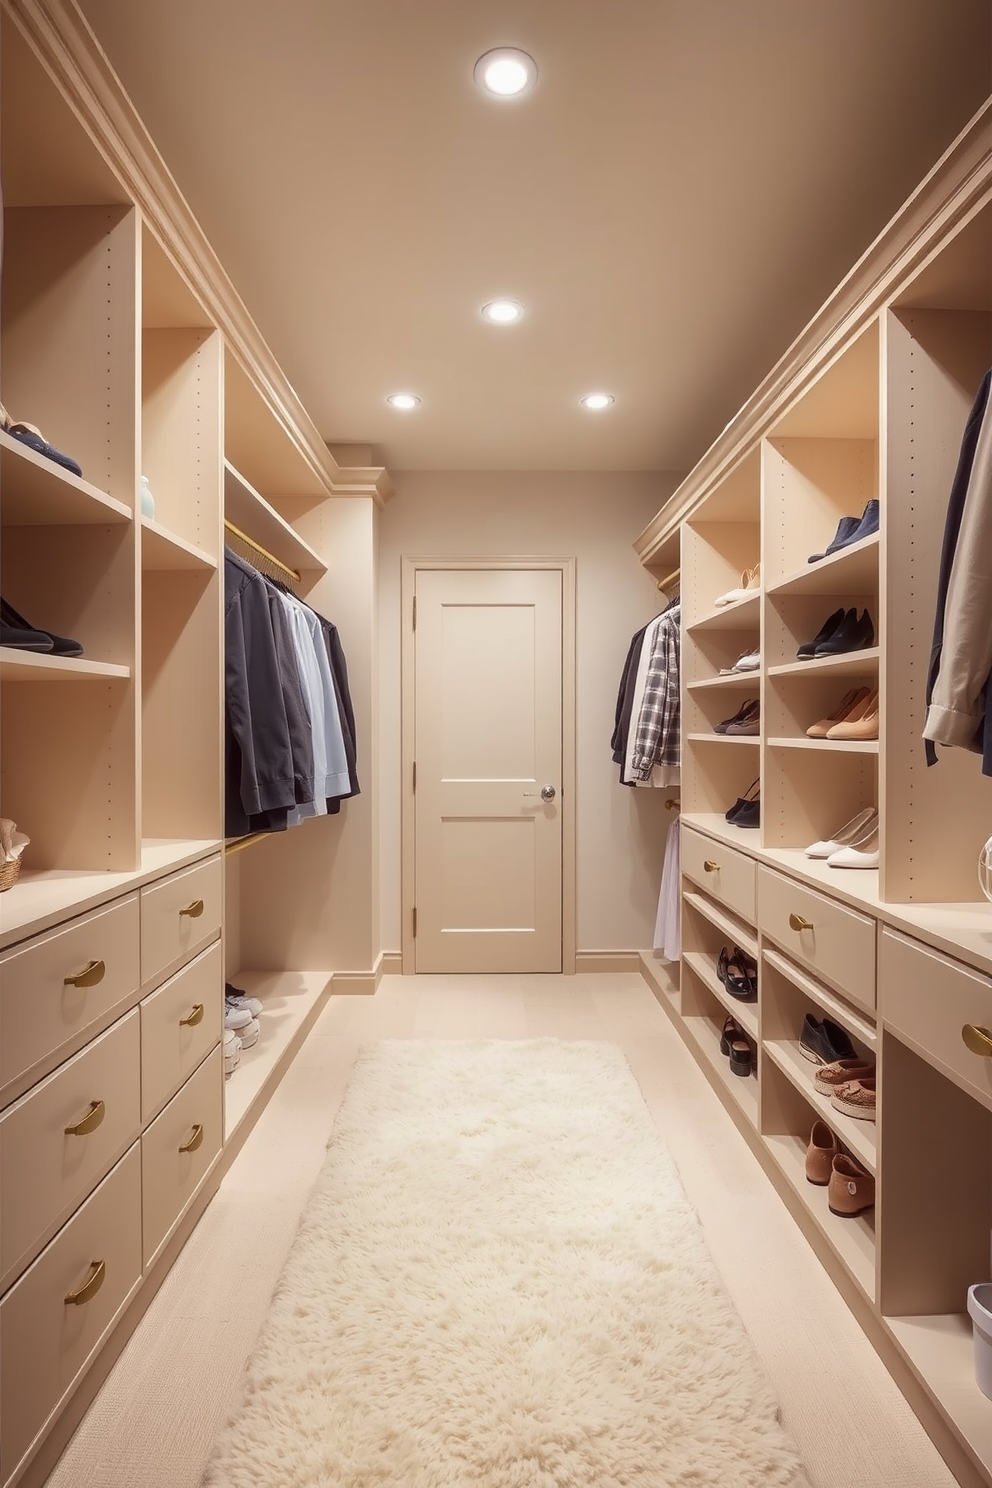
x,y
499,1282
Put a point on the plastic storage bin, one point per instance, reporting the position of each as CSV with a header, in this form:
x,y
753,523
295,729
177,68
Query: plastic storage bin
x,y
980,1312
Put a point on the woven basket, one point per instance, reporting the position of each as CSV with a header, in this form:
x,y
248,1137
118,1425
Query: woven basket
x,y
8,874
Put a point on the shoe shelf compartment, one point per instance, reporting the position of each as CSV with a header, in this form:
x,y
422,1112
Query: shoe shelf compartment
x,y
852,664
742,681
852,570
709,657
728,925
713,779
703,1014
750,739
36,492
808,793
741,614
832,746
857,1136
32,666
715,825
291,1002
744,1013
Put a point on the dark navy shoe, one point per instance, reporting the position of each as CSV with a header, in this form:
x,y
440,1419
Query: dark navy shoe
x,y
840,539
824,1042
855,633
832,622
11,621
30,436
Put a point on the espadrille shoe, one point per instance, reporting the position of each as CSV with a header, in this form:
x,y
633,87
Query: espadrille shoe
x,y
830,1077
856,1098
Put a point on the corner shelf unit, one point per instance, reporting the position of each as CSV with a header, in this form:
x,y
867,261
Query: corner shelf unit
x,y
869,404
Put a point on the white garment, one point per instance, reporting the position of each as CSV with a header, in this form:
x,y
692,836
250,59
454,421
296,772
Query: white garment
x,y
667,930
330,763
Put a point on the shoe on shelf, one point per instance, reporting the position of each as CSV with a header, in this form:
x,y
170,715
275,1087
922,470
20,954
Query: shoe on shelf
x,y
808,648
858,829
734,1044
750,795
729,1032
740,974
854,633
750,584
824,1042
851,1188
232,1051
748,814
863,854
248,1033
234,997
844,709
851,530
856,1098
28,435
236,1018
860,723
751,705
829,1077
823,1148
747,727
21,638
748,661
57,645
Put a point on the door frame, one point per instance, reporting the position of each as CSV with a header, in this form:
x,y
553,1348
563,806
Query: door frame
x,y
408,879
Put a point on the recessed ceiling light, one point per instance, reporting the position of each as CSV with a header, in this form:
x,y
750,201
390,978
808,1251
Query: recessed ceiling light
x,y
596,400
505,72
403,401
502,312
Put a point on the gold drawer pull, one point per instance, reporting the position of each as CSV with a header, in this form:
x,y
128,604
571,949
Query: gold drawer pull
x,y
710,866
195,1141
796,922
194,910
93,1118
194,1017
92,972
90,1286
977,1039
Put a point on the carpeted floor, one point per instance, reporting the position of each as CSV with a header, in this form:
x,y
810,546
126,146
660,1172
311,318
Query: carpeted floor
x,y
498,1281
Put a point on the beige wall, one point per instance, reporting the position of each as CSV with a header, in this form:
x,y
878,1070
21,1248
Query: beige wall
x,y
595,517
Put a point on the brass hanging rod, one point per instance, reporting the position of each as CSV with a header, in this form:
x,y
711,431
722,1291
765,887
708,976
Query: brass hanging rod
x,y
240,842
257,548
671,805
672,578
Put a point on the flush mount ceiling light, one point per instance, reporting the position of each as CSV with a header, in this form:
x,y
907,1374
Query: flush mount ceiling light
x,y
595,401
403,401
502,312
505,72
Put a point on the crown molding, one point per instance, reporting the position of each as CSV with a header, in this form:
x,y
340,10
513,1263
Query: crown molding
x,y
957,187
63,42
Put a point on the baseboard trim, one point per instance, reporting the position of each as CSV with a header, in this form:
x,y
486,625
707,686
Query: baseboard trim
x,y
391,964
661,976
355,983
586,961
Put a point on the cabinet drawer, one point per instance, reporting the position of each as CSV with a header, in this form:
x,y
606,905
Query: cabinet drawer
x,y
725,874
179,916
46,1341
835,942
193,1120
180,1023
45,1170
57,987
930,999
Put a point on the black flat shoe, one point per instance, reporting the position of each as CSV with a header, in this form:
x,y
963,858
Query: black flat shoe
x,y
58,645
721,964
853,634
749,815
743,800
808,648
741,1056
741,975
728,1033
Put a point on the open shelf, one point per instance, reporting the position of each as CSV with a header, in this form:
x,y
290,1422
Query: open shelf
x,y
940,1349
292,999
661,976
850,664
858,1136
164,551
39,493
853,1239
854,570
836,746
752,739
730,679
743,1090
259,519
715,824
821,996
743,614
744,1013
728,924
37,666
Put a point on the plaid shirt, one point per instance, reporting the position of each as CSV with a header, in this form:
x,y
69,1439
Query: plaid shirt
x,y
656,733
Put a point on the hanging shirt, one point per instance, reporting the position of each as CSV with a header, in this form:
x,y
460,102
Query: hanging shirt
x,y
656,733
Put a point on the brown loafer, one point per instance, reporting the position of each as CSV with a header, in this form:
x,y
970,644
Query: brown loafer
x,y
852,1188
823,1148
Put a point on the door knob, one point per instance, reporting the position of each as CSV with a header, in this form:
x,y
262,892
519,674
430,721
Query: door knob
x,y
547,793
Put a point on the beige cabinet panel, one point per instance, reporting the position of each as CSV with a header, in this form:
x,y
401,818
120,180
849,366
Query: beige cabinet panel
x,y
725,874
931,1001
835,942
178,916
180,1023
46,1169
178,1150
46,1340
59,985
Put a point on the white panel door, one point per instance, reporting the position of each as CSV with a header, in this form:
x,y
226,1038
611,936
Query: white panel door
x,y
488,739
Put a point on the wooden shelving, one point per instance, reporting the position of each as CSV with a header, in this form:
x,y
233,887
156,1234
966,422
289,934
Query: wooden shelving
x,y
852,571
831,746
260,520
743,614
852,1239
857,1136
38,666
165,552
292,1002
37,492
729,925
750,739
742,1089
850,664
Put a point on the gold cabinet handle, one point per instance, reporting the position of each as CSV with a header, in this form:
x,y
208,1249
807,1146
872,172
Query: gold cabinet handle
x,y
194,910
193,1017
195,1140
93,1118
977,1039
89,1288
796,922
92,972
711,867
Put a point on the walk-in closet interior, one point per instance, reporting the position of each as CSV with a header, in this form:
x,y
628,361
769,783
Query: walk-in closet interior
x,y
799,563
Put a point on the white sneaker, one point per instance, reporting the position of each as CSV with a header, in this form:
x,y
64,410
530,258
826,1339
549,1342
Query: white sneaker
x,y
241,1000
236,1018
249,1034
232,1052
